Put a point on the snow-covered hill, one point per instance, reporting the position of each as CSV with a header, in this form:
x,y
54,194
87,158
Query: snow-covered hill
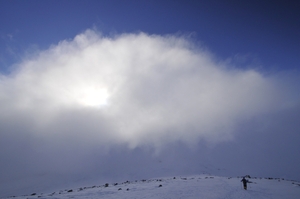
x,y
199,186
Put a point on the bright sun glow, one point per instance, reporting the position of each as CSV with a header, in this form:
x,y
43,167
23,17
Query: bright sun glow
x,y
92,97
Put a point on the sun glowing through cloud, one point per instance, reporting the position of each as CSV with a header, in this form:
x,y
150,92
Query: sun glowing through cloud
x,y
151,89
92,97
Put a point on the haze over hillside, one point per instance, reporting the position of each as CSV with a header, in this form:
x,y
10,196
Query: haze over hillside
x,y
103,91
192,187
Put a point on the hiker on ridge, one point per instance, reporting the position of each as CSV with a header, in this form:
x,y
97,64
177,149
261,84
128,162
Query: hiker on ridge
x,y
245,182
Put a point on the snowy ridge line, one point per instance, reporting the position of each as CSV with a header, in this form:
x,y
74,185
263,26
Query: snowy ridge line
x,y
139,185
164,179
104,186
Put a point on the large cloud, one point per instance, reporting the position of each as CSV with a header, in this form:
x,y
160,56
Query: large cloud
x,y
135,89
101,106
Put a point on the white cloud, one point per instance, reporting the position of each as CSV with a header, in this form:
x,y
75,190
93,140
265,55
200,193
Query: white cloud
x,y
135,89
95,107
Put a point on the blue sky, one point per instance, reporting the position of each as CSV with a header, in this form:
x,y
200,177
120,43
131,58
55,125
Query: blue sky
x,y
90,89
268,32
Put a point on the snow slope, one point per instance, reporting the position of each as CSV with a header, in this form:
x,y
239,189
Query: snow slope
x,y
200,186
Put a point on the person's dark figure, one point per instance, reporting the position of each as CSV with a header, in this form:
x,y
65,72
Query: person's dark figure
x,y
244,183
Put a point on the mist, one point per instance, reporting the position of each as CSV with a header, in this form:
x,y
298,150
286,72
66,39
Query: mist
x,y
137,105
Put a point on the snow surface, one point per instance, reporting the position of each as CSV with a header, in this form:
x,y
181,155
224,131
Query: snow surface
x,y
198,186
